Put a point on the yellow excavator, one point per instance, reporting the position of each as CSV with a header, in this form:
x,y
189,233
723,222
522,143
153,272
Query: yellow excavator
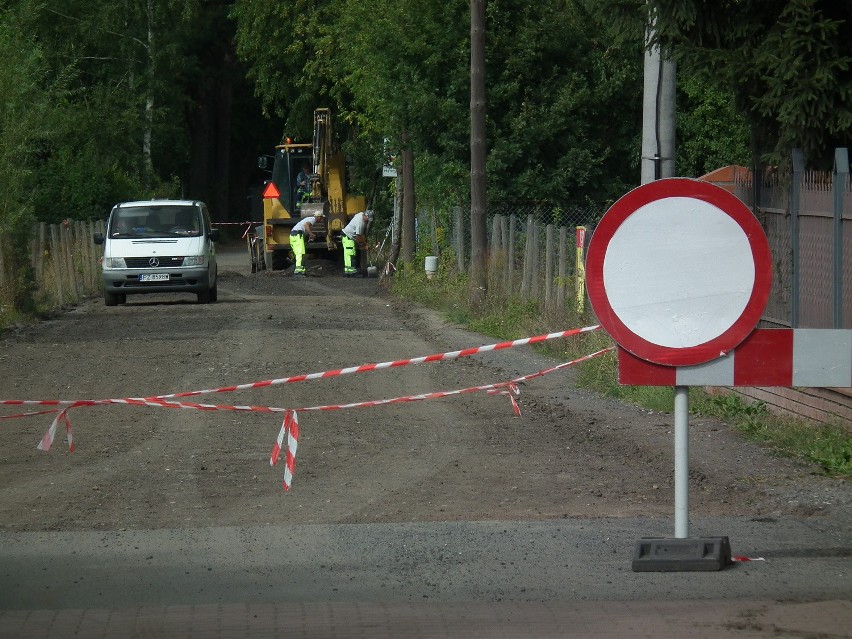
x,y
286,199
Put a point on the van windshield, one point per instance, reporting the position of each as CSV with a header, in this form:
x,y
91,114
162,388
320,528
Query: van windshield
x,y
155,221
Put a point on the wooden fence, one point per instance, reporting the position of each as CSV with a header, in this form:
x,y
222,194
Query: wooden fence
x,y
526,258
65,263
546,269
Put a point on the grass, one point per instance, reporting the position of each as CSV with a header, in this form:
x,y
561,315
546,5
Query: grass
x,y
507,317
10,317
827,445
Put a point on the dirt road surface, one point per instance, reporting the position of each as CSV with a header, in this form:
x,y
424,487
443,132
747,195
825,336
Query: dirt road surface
x,y
415,487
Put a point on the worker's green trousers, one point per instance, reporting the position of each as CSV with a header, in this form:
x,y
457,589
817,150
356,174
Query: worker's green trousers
x,y
297,243
348,254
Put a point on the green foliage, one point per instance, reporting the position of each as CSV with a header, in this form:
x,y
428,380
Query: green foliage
x,y
808,93
85,182
402,67
827,445
727,407
710,132
283,43
789,63
27,91
564,103
24,123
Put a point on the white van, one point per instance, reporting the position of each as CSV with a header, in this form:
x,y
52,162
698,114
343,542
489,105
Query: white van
x,y
159,246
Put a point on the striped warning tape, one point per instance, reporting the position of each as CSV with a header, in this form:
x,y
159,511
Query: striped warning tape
x,y
290,429
363,368
290,426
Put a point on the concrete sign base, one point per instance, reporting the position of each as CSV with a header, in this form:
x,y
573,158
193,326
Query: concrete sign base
x,y
693,554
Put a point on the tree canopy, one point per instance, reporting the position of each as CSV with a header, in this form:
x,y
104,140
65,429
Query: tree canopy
x,y
563,102
788,62
106,101
124,100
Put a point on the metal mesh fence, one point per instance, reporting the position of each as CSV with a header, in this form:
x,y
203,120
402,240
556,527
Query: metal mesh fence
x,y
807,217
532,250
438,231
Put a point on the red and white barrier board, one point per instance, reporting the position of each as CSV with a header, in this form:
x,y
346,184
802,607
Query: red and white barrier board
x,y
814,358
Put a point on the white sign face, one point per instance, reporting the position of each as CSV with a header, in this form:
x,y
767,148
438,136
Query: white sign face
x,y
679,272
388,171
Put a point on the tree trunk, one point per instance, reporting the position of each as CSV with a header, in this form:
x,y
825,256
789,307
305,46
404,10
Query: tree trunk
x,y
478,232
222,161
147,162
407,200
458,223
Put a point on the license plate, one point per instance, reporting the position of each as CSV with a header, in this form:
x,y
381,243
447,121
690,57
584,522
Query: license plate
x,y
154,277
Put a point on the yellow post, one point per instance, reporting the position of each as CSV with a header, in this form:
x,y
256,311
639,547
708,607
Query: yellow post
x,y
580,234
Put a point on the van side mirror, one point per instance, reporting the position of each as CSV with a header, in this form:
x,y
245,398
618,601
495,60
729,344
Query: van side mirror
x,y
214,235
98,238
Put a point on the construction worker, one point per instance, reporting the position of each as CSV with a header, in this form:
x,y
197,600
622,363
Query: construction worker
x,y
297,240
355,233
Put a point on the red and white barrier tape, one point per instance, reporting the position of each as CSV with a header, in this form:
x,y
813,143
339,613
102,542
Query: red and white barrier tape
x,y
290,433
500,388
47,441
291,429
363,368
249,222
290,425
740,558
292,443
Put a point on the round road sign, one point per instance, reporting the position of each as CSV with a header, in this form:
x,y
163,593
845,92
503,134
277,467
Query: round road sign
x,y
679,271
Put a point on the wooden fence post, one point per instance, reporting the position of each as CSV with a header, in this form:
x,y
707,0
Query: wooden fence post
x,y
504,238
55,252
459,227
38,255
496,255
581,268
510,267
535,285
548,267
496,243
526,276
562,269
68,244
82,256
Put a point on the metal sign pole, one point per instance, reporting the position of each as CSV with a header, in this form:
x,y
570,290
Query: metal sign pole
x,y
681,462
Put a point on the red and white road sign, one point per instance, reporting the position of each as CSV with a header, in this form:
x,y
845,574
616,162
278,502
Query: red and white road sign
x,y
784,357
679,272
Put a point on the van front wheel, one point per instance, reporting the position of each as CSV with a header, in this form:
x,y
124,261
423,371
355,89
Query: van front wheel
x,y
208,296
110,299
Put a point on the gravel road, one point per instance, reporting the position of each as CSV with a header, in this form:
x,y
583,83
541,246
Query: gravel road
x,y
165,489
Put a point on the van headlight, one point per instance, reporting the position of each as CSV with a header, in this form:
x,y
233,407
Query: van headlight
x,y
195,260
114,262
